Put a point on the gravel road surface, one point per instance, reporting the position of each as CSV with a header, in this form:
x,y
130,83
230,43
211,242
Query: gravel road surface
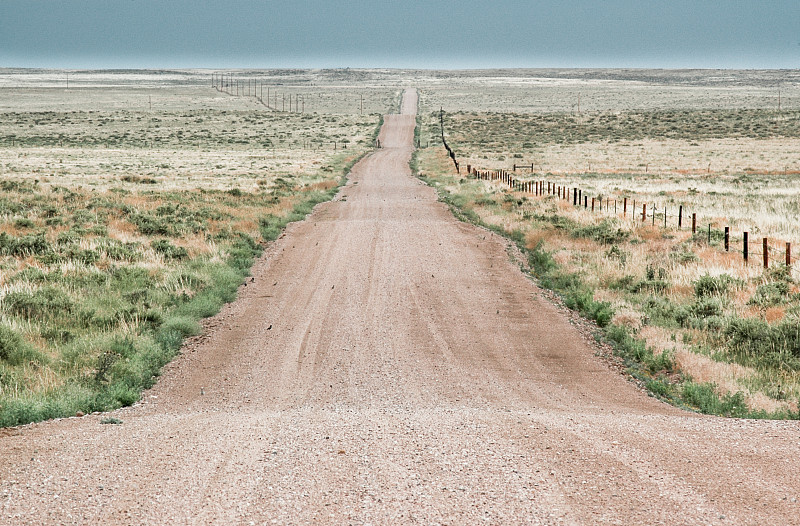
x,y
391,365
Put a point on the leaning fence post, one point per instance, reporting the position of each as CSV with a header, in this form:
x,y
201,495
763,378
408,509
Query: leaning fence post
x,y
727,237
745,249
766,253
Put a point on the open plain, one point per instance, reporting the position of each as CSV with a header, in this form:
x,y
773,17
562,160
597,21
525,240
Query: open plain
x,y
390,364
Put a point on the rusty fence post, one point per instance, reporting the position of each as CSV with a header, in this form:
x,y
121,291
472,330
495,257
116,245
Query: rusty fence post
x,y
644,212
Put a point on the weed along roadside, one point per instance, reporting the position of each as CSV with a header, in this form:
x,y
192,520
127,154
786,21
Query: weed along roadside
x,y
89,325
101,284
690,323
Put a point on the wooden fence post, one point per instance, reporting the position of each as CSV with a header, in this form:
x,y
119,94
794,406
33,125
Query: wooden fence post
x,y
592,204
680,217
766,254
665,217
644,211
694,224
727,238
788,255
625,207
745,248
586,201
574,196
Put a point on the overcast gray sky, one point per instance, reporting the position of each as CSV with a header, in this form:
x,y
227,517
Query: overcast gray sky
x,y
410,33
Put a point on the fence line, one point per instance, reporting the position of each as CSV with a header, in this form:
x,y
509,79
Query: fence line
x,y
226,83
543,188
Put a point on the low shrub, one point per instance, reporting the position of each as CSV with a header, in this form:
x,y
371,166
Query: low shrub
x,y
168,250
46,303
709,285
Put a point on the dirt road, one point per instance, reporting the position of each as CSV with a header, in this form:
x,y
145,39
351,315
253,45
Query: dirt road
x,y
392,365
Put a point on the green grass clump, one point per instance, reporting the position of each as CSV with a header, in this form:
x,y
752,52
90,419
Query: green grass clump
x,y
715,285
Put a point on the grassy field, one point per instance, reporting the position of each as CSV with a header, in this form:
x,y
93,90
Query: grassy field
x,y
122,225
693,323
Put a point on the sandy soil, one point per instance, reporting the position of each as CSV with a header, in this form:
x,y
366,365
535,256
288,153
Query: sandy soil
x,y
389,364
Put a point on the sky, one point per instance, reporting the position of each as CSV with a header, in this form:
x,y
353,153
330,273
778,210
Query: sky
x,y
447,34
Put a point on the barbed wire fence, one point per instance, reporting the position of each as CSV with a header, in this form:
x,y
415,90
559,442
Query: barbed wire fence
x,y
768,252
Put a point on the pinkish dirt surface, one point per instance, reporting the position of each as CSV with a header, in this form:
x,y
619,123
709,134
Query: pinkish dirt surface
x,y
391,365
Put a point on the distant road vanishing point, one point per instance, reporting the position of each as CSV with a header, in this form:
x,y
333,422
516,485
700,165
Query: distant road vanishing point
x,y
390,364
